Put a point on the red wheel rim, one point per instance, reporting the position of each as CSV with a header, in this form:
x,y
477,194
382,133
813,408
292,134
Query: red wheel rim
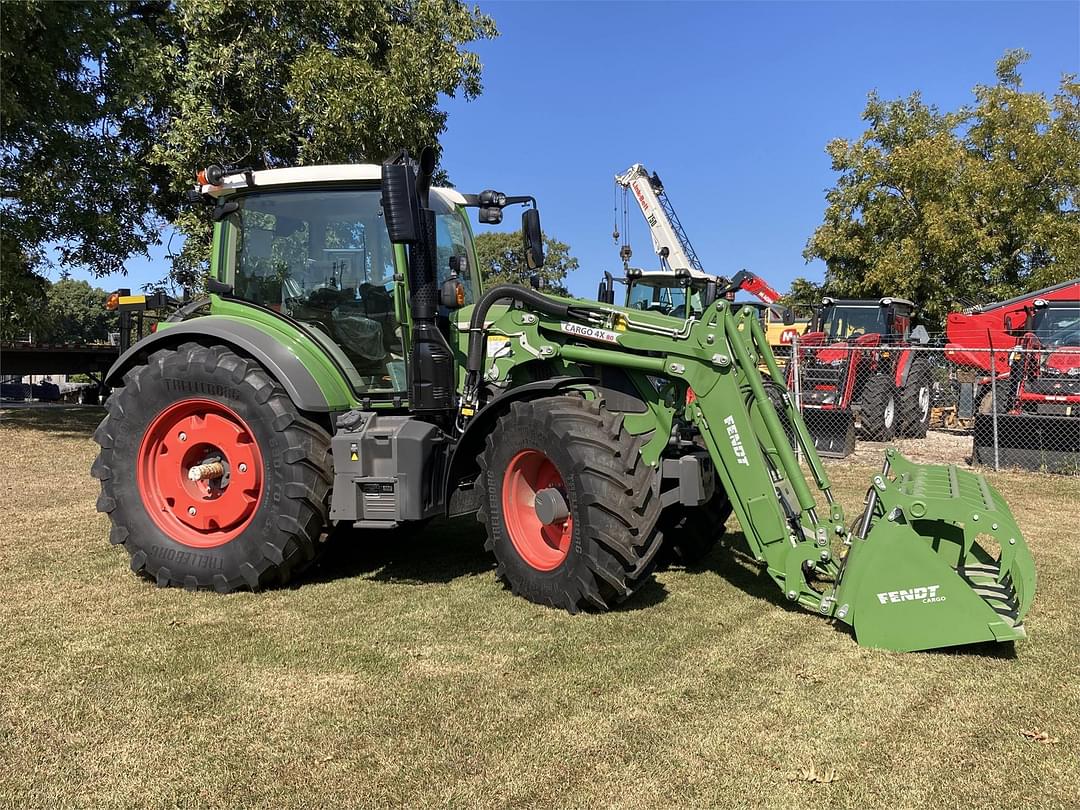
x,y
207,513
542,546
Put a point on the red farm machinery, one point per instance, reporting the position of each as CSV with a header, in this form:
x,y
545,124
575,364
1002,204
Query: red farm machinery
x,y
1017,369
856,366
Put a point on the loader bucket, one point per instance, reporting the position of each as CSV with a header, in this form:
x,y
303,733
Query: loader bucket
x,y
937,560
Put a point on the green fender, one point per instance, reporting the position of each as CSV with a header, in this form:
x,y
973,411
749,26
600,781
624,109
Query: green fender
x,y
290,357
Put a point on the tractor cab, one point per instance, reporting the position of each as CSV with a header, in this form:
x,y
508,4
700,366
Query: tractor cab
x,y
312,245
848,320
1056,324
680,295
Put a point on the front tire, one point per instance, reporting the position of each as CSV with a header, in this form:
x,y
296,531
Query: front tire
x,y
877,409
692,532
915,402
254,521
600,543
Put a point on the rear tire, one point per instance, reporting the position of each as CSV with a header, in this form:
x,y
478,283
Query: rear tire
x,y
877,409
606,546
915,401
256,527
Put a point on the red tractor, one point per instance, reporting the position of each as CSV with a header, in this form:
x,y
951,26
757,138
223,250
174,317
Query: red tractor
x,y
858,363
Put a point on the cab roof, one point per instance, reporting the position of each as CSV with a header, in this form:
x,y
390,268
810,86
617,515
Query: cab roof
x,y
312,175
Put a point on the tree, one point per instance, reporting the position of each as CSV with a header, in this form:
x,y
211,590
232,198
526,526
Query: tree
x,y
804,296
23,293
109,108
77,314
501,256
951,208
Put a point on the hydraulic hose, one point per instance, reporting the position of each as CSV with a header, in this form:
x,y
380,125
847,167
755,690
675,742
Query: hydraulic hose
x,y
478,346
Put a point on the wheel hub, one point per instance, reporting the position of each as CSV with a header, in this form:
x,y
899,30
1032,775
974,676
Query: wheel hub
x,y
535,511
551,506
200,473
924,401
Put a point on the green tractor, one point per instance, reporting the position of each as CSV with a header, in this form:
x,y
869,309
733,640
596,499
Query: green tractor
x,y
349,367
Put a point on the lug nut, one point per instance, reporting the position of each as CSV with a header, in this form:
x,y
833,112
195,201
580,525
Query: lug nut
x,y
191,511
182,436
242,468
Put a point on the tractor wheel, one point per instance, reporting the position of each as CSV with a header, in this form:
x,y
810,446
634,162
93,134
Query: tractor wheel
x,y
209,474
691,532
1002,395
915,401
568,504
877,409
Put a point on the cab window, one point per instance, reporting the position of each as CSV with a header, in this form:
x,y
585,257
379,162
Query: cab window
x,y
452,239
325,259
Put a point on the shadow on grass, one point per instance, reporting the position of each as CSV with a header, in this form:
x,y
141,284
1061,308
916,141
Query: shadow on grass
x,y
62,421
440,552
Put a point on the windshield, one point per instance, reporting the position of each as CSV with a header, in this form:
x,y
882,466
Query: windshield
x,y
1057,325
665,299
323,258
842,321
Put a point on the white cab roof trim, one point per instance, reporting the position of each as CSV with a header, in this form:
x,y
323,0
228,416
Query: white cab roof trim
x,y
334,173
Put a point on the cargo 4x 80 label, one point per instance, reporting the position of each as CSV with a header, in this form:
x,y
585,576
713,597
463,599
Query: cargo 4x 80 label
x,y
589,332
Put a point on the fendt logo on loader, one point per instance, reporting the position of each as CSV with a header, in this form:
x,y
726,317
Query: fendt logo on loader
x,y
926,594
736,440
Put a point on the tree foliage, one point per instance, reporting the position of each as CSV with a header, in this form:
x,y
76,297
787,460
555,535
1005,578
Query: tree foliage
x,y
76,314
501,256
23,293
110,108
803,297
949,208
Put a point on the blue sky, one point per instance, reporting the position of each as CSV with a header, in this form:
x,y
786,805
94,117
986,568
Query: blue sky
x,y
731,103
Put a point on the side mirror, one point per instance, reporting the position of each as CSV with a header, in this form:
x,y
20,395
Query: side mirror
x,y
401,208
1015,321
789,317
533,237
452,293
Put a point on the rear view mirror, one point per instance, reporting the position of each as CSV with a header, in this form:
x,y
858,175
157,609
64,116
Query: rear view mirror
x,y
401,209
1015,321
533,238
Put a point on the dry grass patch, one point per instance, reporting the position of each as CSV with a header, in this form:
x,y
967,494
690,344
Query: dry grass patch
x,y
400,673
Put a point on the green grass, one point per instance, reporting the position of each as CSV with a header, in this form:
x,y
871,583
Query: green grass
x,y
400,673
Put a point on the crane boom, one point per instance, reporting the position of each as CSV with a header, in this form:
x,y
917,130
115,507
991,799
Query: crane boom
x,y
669,239
671,242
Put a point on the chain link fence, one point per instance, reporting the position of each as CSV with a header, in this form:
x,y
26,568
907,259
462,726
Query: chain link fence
x,y
998,408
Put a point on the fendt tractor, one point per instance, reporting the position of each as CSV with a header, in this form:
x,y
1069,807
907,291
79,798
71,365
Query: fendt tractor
x,y
685,294
349,368
856,362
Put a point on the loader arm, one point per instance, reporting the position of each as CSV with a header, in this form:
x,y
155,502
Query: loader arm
x,y
910,572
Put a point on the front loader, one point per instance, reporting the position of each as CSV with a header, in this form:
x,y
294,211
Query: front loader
x,y
349,368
